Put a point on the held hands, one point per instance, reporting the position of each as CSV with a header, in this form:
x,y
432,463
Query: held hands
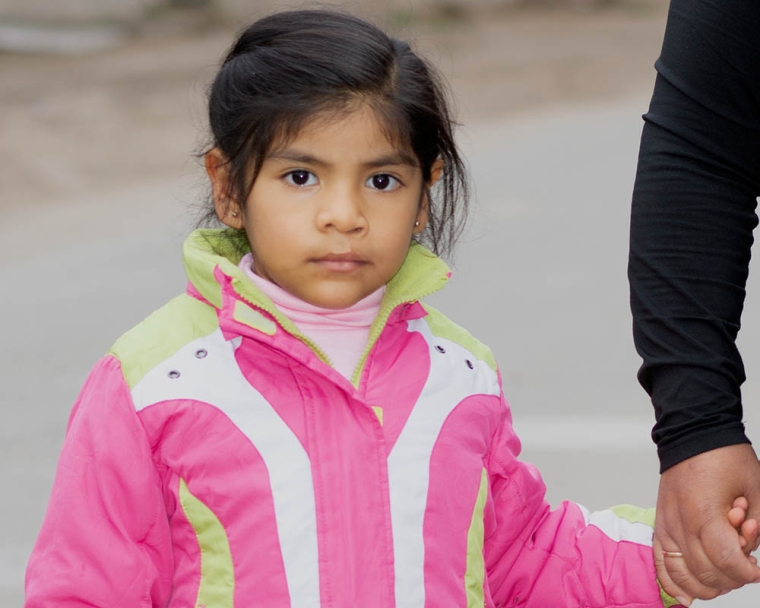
x,y
707,524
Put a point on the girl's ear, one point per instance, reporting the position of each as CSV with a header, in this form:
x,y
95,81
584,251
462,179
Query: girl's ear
x,y
227,210
422,215
435,172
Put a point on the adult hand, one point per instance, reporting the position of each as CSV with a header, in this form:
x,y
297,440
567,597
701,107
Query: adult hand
x,y
693,504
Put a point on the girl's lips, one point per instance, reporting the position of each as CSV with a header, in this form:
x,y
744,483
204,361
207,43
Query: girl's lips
x,y
340,262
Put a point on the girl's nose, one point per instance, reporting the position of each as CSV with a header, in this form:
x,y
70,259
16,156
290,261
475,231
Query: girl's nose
x,y
341,210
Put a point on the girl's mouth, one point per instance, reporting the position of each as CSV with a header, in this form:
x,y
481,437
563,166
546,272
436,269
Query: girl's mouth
x,y
340,262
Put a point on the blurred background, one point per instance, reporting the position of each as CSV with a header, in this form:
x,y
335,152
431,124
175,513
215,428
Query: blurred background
x,y
101,121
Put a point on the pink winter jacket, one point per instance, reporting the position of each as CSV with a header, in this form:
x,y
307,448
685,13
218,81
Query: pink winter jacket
x,y
215,459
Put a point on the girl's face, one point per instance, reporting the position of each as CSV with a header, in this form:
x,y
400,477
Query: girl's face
x,y
332,212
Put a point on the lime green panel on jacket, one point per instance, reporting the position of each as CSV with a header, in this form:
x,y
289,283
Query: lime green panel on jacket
x,y
208,249
474,577
202,252
637,515
443,327
253,318
217,583
162,334
421,274
667,601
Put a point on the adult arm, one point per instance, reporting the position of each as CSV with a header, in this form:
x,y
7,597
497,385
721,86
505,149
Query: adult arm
x,y
691,231
691,223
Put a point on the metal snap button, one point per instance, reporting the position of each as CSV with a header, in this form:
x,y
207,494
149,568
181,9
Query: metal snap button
x,y
469,364
174,374
440,348
201,353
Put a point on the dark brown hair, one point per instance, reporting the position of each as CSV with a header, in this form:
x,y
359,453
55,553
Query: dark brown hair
x,y
293,65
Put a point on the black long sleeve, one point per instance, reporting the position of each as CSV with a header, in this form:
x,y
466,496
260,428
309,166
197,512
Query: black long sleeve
x,y
692,218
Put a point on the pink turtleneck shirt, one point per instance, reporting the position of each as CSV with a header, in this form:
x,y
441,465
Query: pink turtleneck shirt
x,y
342,334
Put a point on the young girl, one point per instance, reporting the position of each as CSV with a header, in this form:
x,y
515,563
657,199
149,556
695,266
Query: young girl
x,y
298,429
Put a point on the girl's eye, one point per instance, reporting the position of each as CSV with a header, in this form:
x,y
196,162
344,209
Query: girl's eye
x,y
383,182
301,178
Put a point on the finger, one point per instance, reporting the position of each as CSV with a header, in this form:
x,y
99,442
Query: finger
x,y
664,578
684,583
736,517
749,535
751,531
753,513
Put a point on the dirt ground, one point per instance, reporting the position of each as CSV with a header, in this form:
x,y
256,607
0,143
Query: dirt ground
x,y
74,129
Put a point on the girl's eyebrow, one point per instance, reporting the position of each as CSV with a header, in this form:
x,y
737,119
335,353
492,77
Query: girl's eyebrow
x,y
397,158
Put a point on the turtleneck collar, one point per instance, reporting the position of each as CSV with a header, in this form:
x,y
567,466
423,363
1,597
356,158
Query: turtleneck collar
x,y
341,333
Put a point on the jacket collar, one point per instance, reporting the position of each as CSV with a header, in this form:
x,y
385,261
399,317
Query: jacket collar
x,y
211,262
205,251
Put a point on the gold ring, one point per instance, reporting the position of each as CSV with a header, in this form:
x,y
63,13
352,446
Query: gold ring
x,y
672,554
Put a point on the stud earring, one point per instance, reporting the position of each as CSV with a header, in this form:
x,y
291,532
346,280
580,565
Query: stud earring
x,y
234,214
417,223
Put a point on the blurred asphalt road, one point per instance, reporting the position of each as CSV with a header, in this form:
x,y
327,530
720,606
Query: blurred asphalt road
x,y
540,277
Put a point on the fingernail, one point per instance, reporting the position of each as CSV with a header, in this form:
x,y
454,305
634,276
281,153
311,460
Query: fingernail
x,y
683,601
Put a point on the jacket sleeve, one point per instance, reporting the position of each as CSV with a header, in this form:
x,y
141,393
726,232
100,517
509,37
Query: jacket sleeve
x,y
105,537
537,557
692,218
